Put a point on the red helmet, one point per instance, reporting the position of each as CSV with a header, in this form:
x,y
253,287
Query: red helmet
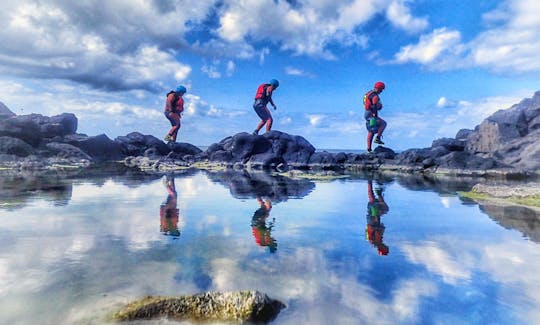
x,y
379,85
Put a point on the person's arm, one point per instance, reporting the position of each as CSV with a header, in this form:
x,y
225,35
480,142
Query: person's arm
x,y
269,92
377,102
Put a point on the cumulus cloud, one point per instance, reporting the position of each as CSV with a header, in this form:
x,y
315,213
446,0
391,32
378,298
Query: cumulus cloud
x,y
400,15
91,43
308,28
509,43
439,49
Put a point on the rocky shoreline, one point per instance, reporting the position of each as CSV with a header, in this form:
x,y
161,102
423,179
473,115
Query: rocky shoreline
x,y
505,145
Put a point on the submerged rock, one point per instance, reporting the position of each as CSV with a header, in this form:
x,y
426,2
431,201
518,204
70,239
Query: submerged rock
x,y
237,306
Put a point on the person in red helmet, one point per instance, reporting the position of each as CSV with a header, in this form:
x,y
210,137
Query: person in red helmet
x,y
263,96
372,105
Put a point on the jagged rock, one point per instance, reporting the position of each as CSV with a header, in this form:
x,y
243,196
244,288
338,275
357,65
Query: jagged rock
x,y
510,136
22,127
14,146
183,148
99,147
64,150
135,144
5,112
238,306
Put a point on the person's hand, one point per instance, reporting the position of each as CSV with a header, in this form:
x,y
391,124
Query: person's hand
x,y
275,107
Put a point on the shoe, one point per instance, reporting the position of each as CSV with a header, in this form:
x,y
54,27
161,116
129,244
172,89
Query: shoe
x,y
369,150
168,137
378,140
255,132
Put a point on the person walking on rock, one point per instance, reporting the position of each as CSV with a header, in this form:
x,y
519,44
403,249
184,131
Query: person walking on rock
x,y
372,105
174,106
262,98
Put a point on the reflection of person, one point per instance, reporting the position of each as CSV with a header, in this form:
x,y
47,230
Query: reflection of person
x,y
376,208
261,230
168,212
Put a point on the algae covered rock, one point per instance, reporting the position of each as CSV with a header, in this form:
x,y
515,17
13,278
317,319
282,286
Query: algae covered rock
x,y
237,306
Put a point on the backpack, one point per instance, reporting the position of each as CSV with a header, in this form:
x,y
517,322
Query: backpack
x,y
174,102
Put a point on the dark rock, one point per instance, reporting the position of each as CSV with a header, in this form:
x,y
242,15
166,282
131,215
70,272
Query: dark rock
x,y
99,147
463,134
135,144
14,146
5,112
64,150
22,127
450,144
184,148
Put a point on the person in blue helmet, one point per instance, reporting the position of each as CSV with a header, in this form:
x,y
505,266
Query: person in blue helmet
x,y
174,106
263,96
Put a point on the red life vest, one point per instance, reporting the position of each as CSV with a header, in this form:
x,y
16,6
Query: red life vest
x,y
368,101
177,103
261,91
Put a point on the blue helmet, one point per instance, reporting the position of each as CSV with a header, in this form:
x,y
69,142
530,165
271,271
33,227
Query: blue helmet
x,y
181,89
274,83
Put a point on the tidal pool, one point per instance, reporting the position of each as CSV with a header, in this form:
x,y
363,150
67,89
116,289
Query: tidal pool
x,y
365,249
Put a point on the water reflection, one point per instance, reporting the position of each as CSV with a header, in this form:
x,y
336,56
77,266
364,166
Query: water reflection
x,y
250,185
168,210
376,208
261,227
68,263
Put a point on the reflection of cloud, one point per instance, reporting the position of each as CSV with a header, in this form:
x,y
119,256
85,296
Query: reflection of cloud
x,y
438,261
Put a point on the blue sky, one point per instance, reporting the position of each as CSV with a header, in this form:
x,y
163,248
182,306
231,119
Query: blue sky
x,y
447,64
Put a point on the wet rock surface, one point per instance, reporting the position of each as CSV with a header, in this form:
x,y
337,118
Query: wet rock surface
x,y
238,307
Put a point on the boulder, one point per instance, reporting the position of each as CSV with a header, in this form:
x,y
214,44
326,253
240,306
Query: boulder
x,y
23,127
135,144
14,146
99,147
239,306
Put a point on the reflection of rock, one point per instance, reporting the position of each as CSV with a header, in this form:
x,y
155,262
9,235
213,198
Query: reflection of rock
x,y
18,190
243,306
243,184
525,220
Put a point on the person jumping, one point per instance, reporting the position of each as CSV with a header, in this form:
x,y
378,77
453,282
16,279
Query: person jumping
x,y
262,98
174,106
372,105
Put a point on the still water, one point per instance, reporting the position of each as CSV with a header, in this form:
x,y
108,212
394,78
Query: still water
x,y
359,250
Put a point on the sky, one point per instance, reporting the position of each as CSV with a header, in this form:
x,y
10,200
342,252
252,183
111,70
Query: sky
x,y
447,64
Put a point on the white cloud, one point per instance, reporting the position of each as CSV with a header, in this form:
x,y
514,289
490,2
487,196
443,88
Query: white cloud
x,y
439,48
444,102
399,15
292,71
307,28
230,68
315,119
89,42
510,43
211,70
514,45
